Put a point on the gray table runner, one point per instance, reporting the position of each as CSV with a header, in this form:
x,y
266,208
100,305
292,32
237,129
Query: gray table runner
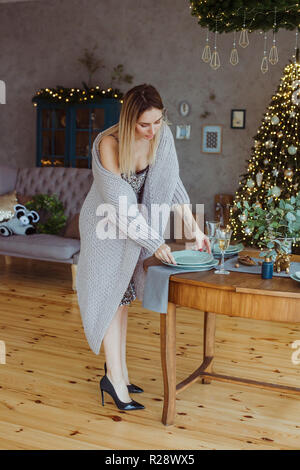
x,y
156,290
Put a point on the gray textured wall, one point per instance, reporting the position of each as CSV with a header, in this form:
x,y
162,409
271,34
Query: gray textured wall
x,y
159,42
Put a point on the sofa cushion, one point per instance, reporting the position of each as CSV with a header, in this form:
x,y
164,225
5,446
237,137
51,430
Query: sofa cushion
x,y
8,177
72,228
7,203
40,246
70,184
24,198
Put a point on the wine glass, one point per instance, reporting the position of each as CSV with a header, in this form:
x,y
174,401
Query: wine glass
x,y
223,236
212,226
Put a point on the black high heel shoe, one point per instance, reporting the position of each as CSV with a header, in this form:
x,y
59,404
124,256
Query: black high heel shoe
x,y
107,386
131,388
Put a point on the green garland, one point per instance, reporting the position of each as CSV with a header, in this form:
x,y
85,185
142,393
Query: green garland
x,y
258,15
54,209
67,96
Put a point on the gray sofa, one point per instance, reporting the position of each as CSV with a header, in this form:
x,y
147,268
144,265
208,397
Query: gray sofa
x,y
71,185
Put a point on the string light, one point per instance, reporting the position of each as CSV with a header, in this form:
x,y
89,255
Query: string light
x,y
72,95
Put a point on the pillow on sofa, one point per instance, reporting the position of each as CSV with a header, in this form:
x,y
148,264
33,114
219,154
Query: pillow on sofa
x,y
7,203
23,198
72,227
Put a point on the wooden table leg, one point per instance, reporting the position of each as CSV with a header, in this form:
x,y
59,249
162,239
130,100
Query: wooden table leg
x,y
209,343
168,361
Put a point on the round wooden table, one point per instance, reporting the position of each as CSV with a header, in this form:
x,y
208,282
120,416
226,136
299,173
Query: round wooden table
x,y
237,294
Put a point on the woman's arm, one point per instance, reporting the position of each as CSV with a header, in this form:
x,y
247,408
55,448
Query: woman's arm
x,y
191,228
180,194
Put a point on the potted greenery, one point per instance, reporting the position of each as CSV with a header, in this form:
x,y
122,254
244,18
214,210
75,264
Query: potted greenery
x,y
276,226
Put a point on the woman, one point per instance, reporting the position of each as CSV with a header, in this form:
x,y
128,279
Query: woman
x,y
136,159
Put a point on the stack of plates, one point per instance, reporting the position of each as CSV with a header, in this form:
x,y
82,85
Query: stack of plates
x,y
296,276
232,250
192,259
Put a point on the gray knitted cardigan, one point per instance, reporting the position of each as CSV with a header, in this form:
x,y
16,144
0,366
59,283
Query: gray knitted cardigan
x,y
105,266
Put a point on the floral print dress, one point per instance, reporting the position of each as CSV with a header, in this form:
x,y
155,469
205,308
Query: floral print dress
x,y
136,181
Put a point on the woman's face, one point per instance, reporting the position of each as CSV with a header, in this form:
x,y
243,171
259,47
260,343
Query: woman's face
x,y
148,124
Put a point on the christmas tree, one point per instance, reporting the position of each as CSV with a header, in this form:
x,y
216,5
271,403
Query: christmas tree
x,y
273,172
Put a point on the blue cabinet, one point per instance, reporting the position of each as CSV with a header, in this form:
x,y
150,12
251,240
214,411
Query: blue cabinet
x,y
65,133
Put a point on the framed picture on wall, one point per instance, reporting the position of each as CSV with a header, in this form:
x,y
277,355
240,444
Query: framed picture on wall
x,y
212,139
238,119
183,132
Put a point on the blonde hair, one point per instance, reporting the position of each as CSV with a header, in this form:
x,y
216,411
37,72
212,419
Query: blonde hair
x,y
135,102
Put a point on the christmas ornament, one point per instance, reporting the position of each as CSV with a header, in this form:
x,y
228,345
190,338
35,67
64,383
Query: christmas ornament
x,y
259,177
275,120
292,114
269,144
266,161
257,204
275,172
288,173
248,231
243,217
250,183
292,150
276,191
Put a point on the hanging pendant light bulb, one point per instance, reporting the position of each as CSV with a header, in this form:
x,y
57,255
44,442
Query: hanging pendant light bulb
x,y
273,56
244,40
215,58
206,54
264,64
234,57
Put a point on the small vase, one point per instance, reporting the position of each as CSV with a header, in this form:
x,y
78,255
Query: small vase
x,y
267,269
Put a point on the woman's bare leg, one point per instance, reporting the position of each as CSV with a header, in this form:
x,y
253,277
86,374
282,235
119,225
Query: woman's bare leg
x,y
123,344
112,342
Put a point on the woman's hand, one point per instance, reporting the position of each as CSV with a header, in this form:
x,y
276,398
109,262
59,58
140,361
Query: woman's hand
x,y
163,253
201,242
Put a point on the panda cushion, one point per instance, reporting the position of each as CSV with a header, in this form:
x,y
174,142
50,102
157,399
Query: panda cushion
x,y
21,223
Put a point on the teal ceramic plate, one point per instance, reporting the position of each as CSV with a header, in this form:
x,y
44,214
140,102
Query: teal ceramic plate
x,y
297,274
204,267
293,276
192,257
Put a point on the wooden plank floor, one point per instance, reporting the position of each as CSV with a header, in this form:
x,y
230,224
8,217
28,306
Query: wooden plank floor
x,y
49,386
